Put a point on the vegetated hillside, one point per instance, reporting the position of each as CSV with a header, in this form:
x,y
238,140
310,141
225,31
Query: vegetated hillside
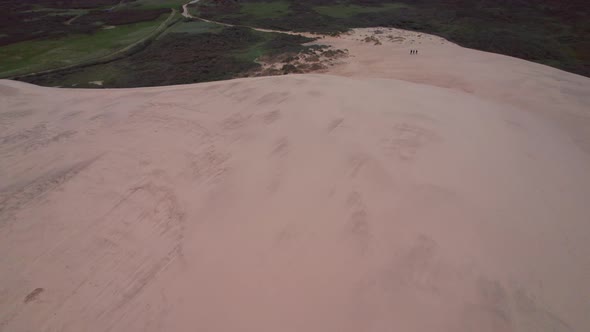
x,y
551,32
71,43
192,51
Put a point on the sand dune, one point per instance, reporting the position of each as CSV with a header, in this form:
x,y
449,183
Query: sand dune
x,y
450,194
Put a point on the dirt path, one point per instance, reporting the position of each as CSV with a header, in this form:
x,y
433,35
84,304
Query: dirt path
x,y
70,21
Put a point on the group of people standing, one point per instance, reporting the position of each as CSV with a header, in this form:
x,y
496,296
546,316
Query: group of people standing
x,y
413,51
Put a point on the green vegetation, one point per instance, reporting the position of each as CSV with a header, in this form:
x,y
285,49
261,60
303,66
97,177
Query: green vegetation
x,y
202,52
155,4
266,9
39,35
68,12
269,44
551,32
254,50
113,43
137,43
345,11
38,55
194,27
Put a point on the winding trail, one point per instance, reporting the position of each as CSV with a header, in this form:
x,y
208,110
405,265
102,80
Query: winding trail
x,y
71,20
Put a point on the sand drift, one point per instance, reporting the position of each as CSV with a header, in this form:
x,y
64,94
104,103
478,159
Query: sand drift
x,y
446,191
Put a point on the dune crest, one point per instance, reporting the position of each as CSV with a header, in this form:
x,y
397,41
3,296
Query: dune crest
x,y
446,191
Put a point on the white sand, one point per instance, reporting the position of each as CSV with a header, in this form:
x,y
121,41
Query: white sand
x,y
303,203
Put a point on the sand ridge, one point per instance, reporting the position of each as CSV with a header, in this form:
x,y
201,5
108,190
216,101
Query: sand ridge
x,y
447,195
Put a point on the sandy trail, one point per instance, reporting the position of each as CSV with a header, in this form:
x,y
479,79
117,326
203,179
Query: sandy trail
x,y
357,202
186,13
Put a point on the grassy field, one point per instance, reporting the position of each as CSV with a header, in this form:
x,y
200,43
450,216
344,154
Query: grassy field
x,y
255,49
38,55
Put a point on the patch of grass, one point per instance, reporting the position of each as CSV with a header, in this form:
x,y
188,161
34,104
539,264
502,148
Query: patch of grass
x,y
283,43
38,55
271,44
255,49
346,11
82,78
66,4
194,27
120,17
272,9
251,53
156,4
68,12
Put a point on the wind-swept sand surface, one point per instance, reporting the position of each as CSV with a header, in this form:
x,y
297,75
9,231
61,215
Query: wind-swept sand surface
x,y
302,203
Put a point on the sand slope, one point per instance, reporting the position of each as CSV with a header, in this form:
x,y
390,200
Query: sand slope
x,y
301,203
